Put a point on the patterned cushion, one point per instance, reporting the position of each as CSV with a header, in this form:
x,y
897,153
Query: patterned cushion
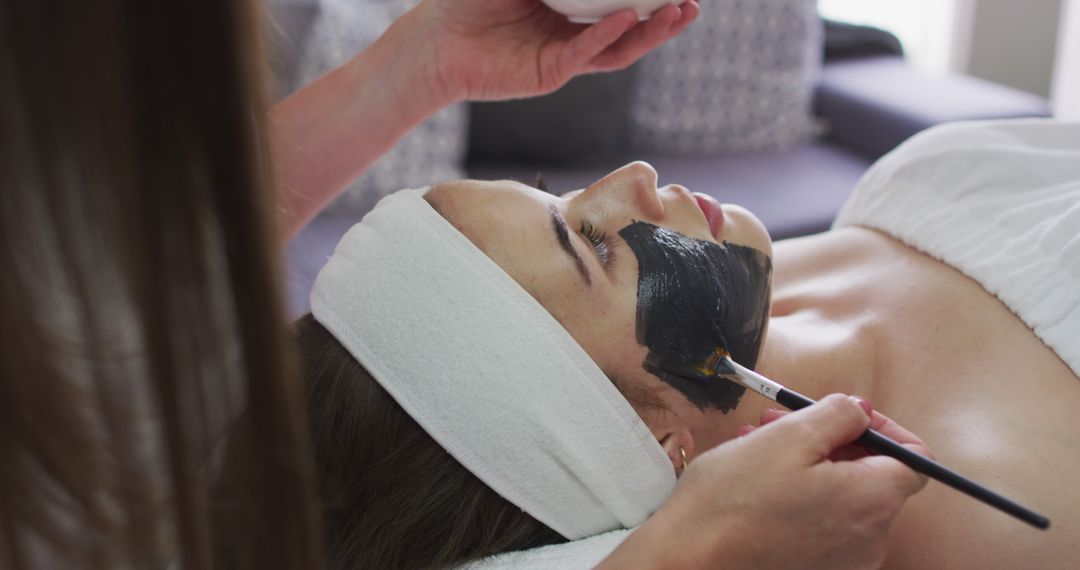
x,y
314,36
741,78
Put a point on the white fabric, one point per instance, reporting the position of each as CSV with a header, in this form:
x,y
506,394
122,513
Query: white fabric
x,y
576,555
999,201
488,372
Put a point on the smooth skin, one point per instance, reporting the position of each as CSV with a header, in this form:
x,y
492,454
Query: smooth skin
x,y
854,311
797,481
512,224
440,53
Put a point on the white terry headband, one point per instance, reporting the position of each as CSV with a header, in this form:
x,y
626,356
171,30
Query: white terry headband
x,y
488,372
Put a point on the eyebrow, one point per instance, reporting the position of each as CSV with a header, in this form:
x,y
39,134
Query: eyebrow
x,y
562,235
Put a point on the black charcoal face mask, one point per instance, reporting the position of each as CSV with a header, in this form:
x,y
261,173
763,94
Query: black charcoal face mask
x,y
694,297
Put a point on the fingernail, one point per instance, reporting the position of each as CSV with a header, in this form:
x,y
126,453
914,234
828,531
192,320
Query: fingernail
x,y
772,414
866,407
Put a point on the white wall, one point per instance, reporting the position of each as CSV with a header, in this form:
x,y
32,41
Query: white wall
x,y
1014,42
925,27
1066,95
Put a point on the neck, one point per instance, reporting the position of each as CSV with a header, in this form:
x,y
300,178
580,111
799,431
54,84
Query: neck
x,y
816,359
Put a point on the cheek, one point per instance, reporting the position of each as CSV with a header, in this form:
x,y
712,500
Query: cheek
x,y
601,328
746,229
616,351
671,410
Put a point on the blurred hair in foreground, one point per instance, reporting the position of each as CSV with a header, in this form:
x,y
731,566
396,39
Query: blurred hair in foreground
x,y
141,315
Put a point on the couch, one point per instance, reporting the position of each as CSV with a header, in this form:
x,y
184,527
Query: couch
x,y
868,100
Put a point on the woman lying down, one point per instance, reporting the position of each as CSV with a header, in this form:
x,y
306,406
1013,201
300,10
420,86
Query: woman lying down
x,y
948,294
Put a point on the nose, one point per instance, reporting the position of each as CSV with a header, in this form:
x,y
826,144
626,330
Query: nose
x,y
632,187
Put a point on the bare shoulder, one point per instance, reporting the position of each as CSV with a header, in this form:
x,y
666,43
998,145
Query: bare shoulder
x,y
1022,443
960,369
943,529
984,392
836,264
834,252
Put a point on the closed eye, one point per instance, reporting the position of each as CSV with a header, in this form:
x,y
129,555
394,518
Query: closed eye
x,y
599,241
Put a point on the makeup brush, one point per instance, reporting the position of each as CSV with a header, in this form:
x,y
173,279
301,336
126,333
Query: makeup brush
x,y
720,365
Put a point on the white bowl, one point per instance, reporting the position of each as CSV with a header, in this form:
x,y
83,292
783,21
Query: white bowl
x,y
592,11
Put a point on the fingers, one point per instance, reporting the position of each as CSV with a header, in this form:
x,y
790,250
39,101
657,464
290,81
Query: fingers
x,y
639,40
663,25
690,12
588,44
817,431
890,472
772,414
849,452
769,416
886,469
889,428
878,422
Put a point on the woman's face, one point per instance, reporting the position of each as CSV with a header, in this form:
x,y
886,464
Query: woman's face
x,y
638,275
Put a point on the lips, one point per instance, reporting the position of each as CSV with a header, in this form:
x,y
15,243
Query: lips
x,y
714,213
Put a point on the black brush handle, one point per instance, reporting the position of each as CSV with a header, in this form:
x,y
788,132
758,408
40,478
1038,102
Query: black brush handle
x,y
883,445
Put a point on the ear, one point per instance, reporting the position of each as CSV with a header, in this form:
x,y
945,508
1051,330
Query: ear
x,y
676,441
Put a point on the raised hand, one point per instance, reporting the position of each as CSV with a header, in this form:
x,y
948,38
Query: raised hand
x,y
439,53
502,49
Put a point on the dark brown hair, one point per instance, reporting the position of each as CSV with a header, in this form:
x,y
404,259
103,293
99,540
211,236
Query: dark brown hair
x,y
139,302
392,497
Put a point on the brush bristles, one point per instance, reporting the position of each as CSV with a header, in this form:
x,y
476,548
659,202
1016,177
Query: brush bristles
x,y
718,364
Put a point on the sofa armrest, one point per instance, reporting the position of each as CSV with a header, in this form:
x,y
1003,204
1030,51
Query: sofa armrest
x,y
871,105
847,41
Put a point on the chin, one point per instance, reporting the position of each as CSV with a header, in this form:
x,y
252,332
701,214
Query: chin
x,y
744,228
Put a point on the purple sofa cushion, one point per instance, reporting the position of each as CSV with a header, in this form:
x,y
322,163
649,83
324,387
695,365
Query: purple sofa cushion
x,y
871,105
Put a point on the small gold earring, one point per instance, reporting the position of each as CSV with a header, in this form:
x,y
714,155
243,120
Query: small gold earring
x,y
683,453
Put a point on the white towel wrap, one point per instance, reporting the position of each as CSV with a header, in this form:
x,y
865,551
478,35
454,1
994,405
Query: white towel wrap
x,y
488,372
1000,202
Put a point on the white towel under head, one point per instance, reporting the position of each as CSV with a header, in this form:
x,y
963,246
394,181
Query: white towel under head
x,y
488,372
